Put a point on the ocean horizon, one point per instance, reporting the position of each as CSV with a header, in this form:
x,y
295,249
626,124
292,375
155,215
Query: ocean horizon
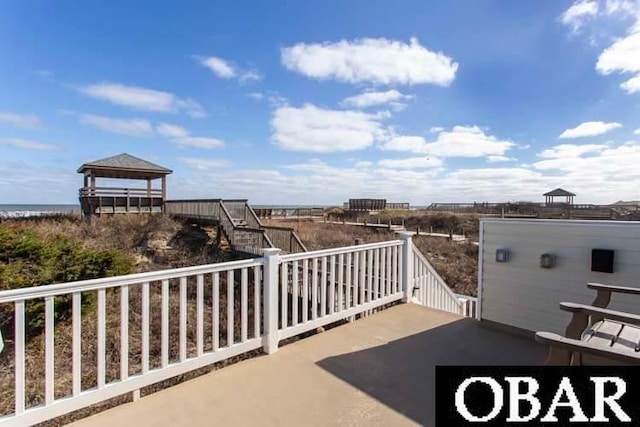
x,y
24,210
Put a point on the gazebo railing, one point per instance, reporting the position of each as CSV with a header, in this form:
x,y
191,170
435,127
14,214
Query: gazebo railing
x,y
119,192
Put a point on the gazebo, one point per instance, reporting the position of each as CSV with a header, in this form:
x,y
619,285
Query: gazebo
x,y
99,201
549,198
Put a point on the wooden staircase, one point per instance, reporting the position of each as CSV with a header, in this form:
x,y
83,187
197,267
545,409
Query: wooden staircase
x,y
239,223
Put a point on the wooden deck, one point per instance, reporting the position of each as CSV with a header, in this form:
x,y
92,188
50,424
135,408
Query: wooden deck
x,y
378,371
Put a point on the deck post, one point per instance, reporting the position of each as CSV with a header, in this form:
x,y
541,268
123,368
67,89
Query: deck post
x,y
270,312
407,266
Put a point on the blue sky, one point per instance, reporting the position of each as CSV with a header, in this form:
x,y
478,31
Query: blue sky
x,y
301,103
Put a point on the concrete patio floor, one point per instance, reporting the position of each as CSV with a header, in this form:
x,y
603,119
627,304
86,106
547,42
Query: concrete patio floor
x,y
378,371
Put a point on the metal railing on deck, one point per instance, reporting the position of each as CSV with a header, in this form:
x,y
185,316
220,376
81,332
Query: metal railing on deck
x,y
166,323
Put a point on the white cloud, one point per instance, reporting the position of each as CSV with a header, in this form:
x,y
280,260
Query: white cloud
x,y
497,176
632,85
636,132
461,141
569,151
436,129
219,66
609,168
27,121
623,56
27,144
314,129
497,159
205,164
579,13
139,98
363,164
255,95
133,127
411,163
191,107
276,100
589,129
369,99
376,61
198,142
183,138
627,7
225,70
172,131
596,175
250,76
413,144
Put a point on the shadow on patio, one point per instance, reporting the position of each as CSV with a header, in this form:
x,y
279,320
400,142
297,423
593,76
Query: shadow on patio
x,y
401,373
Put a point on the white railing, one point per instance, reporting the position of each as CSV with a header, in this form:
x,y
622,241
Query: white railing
x,y
162,313
469,305
330,285
430,290
123,333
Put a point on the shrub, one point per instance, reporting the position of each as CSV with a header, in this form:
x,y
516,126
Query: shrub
x,y
28,258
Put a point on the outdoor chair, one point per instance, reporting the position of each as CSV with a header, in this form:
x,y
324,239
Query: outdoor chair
x,y
596,335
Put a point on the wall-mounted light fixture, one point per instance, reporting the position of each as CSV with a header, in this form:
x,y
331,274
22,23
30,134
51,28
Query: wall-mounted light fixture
x,y
547,260
502,255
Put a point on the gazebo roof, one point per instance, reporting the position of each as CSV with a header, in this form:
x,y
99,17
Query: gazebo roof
x,y
124,166
559,192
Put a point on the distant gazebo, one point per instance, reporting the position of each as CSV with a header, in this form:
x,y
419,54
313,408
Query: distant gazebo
x,y
549,198
99,201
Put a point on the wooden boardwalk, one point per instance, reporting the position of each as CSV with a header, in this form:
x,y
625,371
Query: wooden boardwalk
x,y
399,228
239,223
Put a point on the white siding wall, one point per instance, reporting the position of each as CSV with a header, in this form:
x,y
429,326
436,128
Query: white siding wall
x,y
520,293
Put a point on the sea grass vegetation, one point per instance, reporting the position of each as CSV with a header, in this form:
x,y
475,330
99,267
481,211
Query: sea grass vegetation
x,y
29,258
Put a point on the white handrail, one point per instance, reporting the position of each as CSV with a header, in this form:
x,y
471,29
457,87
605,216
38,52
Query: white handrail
x,y
337,251
22,294
430,289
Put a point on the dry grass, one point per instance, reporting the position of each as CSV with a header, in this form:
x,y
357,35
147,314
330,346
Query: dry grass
x,y
155,241
456,262
439,222
436,222
317,235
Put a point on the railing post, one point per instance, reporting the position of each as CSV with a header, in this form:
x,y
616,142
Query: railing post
x,y
270,312
407,266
